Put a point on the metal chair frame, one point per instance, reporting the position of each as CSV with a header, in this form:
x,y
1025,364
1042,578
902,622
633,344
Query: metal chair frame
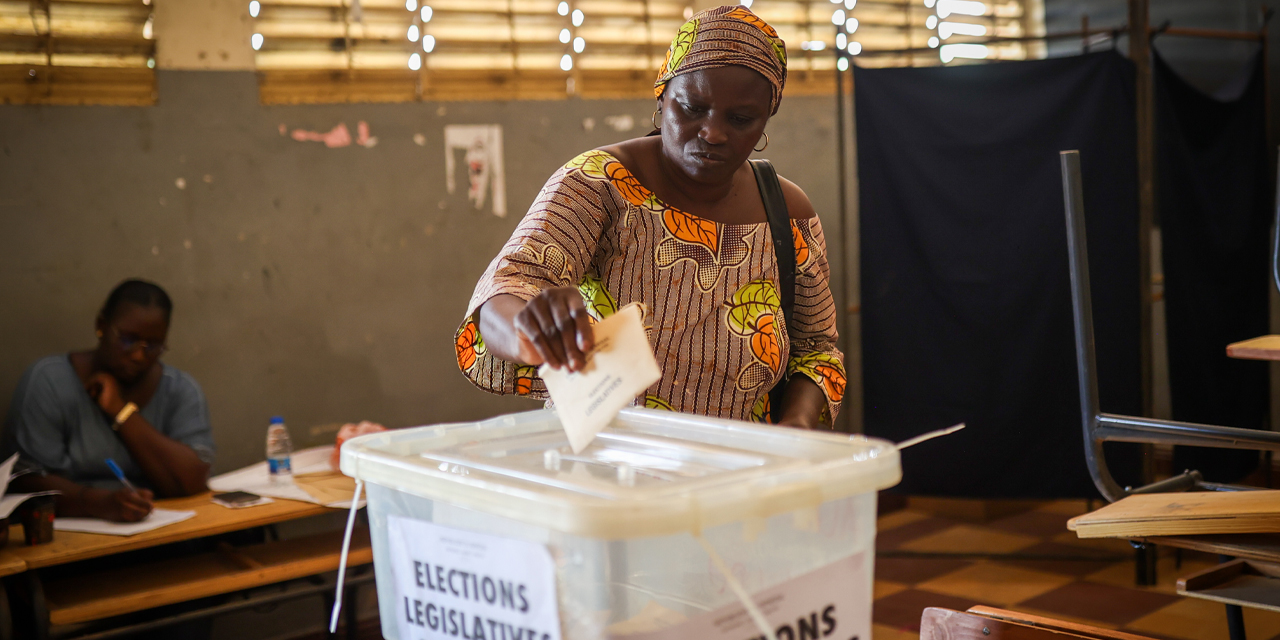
x,y
1102,427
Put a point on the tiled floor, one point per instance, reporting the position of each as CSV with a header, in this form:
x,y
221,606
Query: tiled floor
x,y
1030,562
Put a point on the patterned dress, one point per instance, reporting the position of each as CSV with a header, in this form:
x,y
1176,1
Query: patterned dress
x,y
709,292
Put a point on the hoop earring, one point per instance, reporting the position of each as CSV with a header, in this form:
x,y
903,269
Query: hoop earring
x,y
766,143
654,118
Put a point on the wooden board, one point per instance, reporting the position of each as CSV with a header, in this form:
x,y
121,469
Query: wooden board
x,y
981,623
85,597
1264,348
1246,583
10,565
1251,546
210,519
1018,617
1194,513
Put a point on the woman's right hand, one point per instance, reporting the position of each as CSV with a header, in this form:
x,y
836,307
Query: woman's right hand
x,y
122,505
554,328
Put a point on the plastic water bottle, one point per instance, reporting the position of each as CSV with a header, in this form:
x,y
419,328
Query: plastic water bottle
x,y
279,448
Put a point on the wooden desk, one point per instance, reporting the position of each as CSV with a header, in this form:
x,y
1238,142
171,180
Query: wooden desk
x,y
1260,594
79,597
10,565
1263,348
210,519
86,597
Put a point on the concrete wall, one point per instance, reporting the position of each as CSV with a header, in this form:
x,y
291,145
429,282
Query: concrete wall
x,y
322,284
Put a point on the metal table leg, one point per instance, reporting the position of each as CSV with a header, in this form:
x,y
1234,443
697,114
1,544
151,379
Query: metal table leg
x,y
39,606
1235,622
6,616
1235,615
1144,564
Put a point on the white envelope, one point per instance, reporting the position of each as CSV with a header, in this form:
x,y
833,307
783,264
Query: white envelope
x,y
620,368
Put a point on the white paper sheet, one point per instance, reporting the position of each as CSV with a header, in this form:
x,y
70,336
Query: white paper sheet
x,y
256,479
6,472
158,518
620,368
11,501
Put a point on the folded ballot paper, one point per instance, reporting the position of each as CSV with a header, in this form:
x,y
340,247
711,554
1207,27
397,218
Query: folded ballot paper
x,y
620,368
10,501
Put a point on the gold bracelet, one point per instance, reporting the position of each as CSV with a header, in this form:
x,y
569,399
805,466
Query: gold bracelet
x,y
125,413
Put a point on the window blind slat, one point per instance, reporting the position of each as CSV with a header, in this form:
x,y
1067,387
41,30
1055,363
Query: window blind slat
x,y
626,38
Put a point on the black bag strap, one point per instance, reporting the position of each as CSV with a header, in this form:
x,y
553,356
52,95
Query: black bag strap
x,y
784,248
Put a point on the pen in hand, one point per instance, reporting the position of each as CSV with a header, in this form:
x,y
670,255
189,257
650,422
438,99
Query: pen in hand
x,y
128,504
115,468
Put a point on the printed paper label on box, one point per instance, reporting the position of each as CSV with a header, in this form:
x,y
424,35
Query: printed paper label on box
x,y
452,583
830,603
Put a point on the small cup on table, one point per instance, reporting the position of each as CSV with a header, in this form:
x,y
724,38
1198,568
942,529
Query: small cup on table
x,y
36,516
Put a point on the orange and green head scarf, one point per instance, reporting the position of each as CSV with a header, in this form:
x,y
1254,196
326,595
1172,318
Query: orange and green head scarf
x,y
724,36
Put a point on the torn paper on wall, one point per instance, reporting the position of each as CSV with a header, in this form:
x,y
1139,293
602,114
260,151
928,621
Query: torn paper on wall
x,y
485,176
339,136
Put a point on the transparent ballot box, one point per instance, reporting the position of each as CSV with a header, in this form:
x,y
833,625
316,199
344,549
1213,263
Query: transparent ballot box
x,y
666,526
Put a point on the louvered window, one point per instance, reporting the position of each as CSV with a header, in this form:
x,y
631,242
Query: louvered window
x,y
77,52
931,32
394,50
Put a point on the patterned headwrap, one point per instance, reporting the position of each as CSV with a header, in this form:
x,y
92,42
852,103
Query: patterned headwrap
x,y
724,36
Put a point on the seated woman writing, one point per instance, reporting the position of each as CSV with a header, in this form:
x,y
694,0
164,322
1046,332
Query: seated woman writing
x,y
675,220
72,412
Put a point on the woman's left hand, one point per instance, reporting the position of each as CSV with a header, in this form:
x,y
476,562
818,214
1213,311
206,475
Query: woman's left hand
x,y
105,390
802,404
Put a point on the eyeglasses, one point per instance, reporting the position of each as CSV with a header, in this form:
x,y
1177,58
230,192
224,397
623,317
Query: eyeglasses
x,y
129,343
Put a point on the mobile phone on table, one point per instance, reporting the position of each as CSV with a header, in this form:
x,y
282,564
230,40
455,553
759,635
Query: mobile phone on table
x,y
236,498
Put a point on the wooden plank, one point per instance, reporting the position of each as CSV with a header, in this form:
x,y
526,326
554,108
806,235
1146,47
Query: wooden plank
x,y
1252,546
945,624
1263,348
1207,512
86,597
1212,576
210,519
1018,617
10,565
1240,582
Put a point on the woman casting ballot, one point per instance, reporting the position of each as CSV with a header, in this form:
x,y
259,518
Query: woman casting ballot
x,y
72,412
676,221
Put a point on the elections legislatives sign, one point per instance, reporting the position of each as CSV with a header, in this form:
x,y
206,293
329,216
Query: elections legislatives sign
x,y
452,584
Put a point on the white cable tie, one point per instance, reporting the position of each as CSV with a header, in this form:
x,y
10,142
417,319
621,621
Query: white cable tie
x,y
342,560
752,610
911,442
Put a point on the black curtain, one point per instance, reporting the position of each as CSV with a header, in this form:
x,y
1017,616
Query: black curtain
x,y
965,285
1213,200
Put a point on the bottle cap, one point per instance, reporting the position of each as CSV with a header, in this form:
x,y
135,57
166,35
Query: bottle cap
x,y
277,420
